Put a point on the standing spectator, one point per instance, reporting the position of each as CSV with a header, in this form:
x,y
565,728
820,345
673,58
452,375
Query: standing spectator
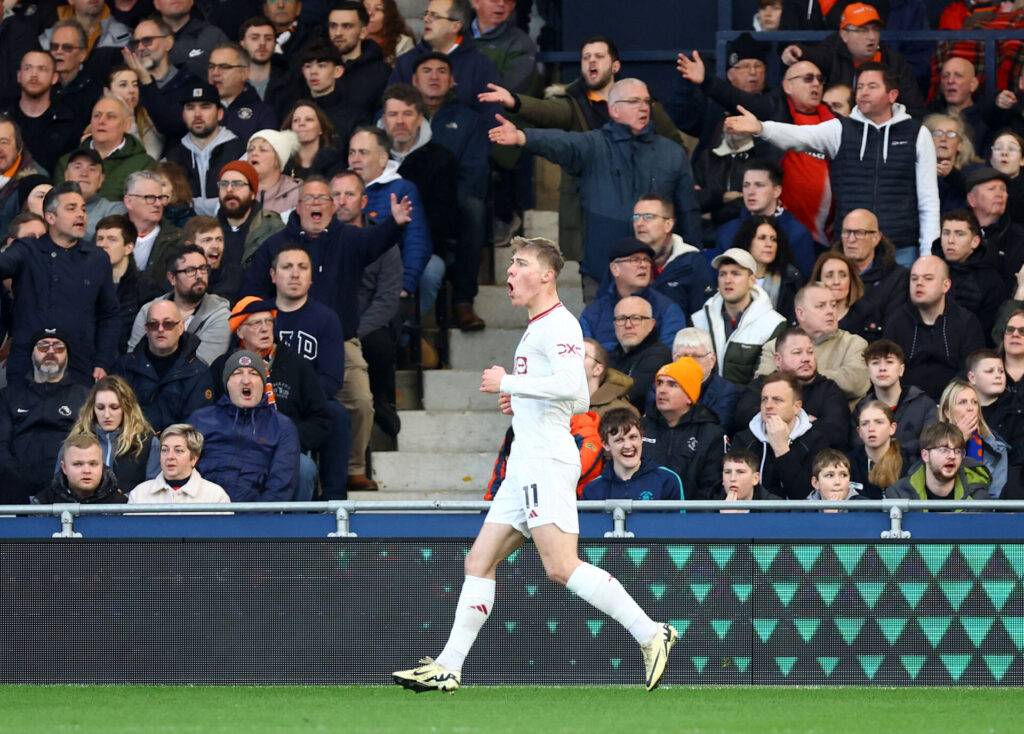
x,y
1006,158
101,28
269,73
246,224
366,71
111,414
251,449
388,28
268,152
293,32
37,411
718,181
82,479
1001,237
115,235
958,84
194,38
935,332
85,168
953,151
156,237
47,128
322,68
60,278
181,445
77,88
244,111
511,50
942,473
164,370
839,98
629,475
639,352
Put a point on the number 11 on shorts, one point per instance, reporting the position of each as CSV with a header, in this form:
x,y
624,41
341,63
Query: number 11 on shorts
x,y
526,494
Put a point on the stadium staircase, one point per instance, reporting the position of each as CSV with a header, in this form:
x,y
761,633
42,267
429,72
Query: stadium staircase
x,y
448,442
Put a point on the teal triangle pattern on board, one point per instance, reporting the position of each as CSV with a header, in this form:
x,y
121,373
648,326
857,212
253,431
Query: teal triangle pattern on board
x,y
997,664
681,625
827,591
785,592
785,664
1014,555
848,628
514,556
680,554
956,664
595,626
849,556
934,556
870,664
615,662
722,554
934,628
892,555
913,664
870,591
828,664
765,628
977,628
806,628
721,627
552,625
892,628
742,663
531,589
1014,627
998,592
764,555
977,556
699,663
595,554
912,591
637,555
657,590
956,591
807,555
510,626
700,591
742,591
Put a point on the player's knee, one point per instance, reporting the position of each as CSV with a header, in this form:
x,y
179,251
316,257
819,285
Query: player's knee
x,y
558,572
477,566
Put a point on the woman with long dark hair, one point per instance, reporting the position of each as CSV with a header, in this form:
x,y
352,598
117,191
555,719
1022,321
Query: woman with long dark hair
x,y
776,274
316,154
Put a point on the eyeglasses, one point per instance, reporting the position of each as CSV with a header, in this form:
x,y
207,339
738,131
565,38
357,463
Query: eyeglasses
x,y
151,198
945,134
193,271
1006,149
430,15
647,217
635,319
749,66
634,260
858,234
55,347
145,41
65,47
947,451
633,101
267,322
165,325
590,356
316,199
1011,330
232,184
871,28
807,78
225,67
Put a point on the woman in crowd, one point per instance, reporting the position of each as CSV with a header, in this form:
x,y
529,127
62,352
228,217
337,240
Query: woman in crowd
x,y
954,150
1012,347
840,274
31,192
179,480
388,28
960,406
879,462
178,209
763,238
112,415
124,83
269,152
1006,158
316,154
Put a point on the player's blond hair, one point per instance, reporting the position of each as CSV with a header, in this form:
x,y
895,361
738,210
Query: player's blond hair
x,y
545,250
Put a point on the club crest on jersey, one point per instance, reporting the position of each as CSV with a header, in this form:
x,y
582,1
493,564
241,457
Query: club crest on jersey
x,y
520,366
569,350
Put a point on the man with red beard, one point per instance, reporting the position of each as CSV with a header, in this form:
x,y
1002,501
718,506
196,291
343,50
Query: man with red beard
x,y
808,192
245,223
942,474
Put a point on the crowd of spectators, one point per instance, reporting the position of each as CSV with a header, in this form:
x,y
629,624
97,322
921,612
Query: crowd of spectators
x,y
223,221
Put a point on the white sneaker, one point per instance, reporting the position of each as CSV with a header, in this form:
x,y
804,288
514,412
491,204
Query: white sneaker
x,y
429,676
656,654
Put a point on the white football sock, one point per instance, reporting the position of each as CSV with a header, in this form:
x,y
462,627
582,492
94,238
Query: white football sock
x,y
602,590
475,603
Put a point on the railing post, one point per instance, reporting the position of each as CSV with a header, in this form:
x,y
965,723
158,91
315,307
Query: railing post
x,y
67,526
341,516
895,531
619,524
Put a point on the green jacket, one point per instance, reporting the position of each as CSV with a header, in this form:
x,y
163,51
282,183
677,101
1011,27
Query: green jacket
x,y
971,483
169,238
127,159
264,224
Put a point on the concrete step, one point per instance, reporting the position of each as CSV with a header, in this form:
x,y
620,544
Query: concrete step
x,y
407,390
455,390
476,351
568,278
422,430
538,223
493,306
430,472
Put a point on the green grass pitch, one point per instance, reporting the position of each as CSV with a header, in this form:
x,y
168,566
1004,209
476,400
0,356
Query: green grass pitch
x,y
533,710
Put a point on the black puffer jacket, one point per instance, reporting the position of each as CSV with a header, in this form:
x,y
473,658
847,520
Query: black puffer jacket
x,y
108,493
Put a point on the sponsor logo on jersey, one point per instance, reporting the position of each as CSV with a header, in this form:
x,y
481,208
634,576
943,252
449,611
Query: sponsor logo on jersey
x,y
569,350
520,366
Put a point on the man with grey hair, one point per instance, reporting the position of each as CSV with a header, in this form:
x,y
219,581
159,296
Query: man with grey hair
x,y
95,18
639,352
60,278
616,164
716,393
145,200
77,88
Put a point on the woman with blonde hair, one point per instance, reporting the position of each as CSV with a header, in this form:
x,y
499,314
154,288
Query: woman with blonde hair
x,y
879,462
112,415
179,480
954,151
961,406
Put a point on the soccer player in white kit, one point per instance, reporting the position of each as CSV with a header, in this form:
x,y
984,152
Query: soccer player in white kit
x,y
538,495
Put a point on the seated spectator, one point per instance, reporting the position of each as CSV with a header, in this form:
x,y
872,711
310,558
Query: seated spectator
x,y
122,153
268,152
880,461
194,38
250,448
716,393
1001,237
322,69
388,28
953,151
112,416
269,72
32,191
181,445
85,168
768,16
77,88
839,354
116,235
855,313
739,317
935,332
244,111
977,285
164,369
943,474
629,475
639,354
959,406
741,479
839,98
83,478
16,164
245,223
830,477
608,387
1006,158
317,154
509,47
1011,341
36,414
25,225
912,409
776,275
630,265
823,400
156,237
958,85
1001,409
205,315
681,434
207,234
885,280
784,436
178,209
123,82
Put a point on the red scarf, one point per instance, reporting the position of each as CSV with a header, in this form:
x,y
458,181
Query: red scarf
x,y
807,194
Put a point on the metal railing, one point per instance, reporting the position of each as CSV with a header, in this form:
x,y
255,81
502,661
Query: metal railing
x,y
618,509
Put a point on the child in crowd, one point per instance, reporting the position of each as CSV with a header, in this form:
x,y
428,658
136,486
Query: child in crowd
x,y
879,462
626,476
1002,410
741,480
830,477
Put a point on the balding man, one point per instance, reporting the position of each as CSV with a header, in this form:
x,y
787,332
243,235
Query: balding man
x,y
957,85
616,164
935,332
808,193
639,353
164,370
885,280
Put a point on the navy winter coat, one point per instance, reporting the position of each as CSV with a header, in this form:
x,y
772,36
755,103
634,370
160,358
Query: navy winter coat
x,y
651,482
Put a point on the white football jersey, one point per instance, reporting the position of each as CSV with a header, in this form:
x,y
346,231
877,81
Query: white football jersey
x,y
548,386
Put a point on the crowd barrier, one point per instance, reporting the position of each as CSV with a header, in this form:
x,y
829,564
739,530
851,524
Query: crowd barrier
x,y
345,592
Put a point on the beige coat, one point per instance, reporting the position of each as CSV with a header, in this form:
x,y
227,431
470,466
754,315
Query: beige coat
x,y
840,357
195,490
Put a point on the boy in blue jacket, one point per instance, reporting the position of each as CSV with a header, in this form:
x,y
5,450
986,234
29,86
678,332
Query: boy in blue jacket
x,y
627,476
